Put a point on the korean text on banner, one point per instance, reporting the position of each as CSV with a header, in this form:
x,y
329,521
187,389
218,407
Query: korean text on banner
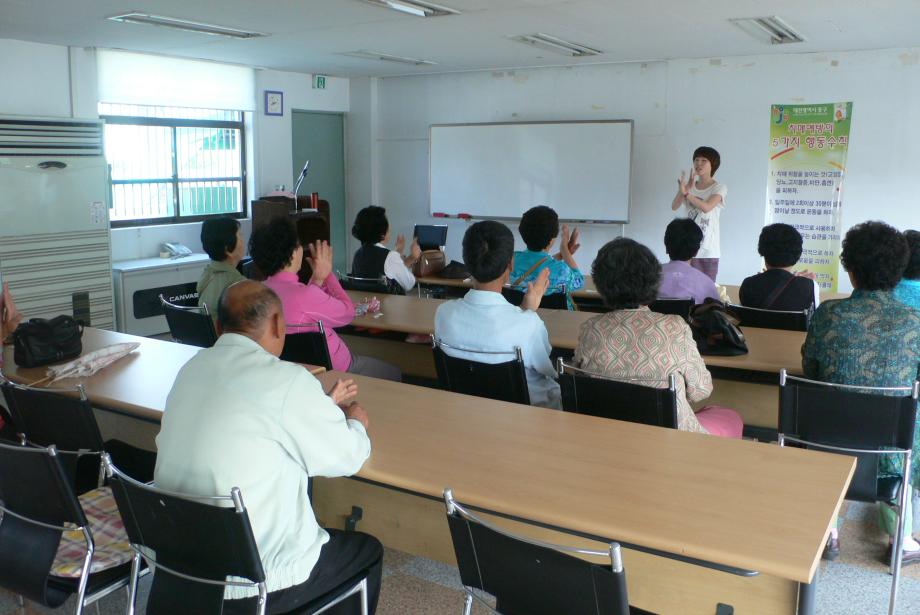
x,y
808,155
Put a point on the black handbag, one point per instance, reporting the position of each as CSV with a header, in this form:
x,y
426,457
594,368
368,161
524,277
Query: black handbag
x,y
715,331
42,342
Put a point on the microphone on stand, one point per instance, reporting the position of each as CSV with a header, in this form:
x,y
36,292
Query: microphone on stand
x,y
300,178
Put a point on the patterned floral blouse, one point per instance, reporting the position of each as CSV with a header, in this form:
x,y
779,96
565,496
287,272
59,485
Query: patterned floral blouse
x,y
644,344
869,339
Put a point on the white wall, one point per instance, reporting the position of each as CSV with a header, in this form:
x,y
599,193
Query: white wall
x,y
677,105
34,79
273,133
52,80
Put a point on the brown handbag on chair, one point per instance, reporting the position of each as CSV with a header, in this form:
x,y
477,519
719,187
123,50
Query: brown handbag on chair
x,y
431,262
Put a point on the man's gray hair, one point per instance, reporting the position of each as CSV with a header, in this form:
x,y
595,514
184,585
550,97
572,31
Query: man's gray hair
x,y
250,312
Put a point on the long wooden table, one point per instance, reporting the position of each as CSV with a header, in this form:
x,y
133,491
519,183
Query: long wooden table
x,y
712,506
588,291
703,519
747,383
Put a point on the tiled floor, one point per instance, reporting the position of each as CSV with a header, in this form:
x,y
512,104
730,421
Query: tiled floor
x,y
856,584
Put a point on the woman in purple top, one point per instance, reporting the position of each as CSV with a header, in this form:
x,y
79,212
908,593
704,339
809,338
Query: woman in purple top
x,y
679,280
278,254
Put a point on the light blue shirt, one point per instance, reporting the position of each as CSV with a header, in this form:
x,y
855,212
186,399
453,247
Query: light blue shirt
x,y
484,320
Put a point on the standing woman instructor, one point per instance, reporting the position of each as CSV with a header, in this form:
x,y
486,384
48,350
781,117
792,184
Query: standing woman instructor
x,y
704,200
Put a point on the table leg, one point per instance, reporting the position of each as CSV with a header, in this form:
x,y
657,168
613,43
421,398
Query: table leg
x,y
807,592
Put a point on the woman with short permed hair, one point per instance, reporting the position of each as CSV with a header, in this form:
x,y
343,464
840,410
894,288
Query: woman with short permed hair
x,y
632,342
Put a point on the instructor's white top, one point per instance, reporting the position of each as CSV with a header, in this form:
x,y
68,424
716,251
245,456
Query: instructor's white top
x,y
238,416
707,221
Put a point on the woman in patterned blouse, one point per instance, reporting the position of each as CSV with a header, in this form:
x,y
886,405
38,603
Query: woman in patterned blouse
x,y
631,341
870,339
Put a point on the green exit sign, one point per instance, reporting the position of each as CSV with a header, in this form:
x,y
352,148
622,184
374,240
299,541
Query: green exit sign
x,y
319,82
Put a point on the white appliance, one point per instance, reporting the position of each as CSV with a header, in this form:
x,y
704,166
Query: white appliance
x,y
55,243
139,284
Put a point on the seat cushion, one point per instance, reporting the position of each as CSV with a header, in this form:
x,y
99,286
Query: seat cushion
x,y
111,542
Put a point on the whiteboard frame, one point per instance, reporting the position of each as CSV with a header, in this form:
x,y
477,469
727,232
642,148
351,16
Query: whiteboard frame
x,y
632,131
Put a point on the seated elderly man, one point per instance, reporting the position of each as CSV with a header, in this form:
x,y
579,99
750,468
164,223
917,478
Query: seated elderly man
x,y
237,416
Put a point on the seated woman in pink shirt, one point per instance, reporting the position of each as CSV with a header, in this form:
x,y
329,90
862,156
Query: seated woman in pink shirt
x,y
278,254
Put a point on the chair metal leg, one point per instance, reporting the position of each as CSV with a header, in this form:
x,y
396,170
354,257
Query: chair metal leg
x,y
897,548
132,586
363,590
468,604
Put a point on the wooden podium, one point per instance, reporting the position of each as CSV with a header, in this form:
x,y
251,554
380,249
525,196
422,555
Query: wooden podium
x,y
312,225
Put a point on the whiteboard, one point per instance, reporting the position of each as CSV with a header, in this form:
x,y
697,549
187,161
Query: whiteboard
x,y
580,169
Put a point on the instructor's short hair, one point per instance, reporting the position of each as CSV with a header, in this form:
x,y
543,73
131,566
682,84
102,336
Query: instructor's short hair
x,y
539,225
780,245
710,154
488,248
875,254
682,239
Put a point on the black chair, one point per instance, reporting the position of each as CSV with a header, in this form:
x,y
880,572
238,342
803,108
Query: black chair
x,y
64,418
504,381
555,301
530,576
198,542
633,400
379,285
190,325
38,505
771,319
862,422
307,346
678,307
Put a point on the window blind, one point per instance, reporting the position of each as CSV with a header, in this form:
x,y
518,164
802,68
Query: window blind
x,y
144,79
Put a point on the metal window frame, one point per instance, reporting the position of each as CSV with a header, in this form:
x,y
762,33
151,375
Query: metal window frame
x,y
175,181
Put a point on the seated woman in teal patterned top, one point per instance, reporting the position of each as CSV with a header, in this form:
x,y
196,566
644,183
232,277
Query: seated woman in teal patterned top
x,y
539,229
869,339
908,289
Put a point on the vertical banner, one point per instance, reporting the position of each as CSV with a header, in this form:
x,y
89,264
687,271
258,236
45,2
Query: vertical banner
x,y
808,155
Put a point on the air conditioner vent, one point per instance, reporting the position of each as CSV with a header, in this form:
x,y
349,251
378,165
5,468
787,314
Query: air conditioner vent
x,y
59,138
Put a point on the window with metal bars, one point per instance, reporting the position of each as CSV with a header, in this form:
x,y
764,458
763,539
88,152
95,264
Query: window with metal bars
x,y
172,165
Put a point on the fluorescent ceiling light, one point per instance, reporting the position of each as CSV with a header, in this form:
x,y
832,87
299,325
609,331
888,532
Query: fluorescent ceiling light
x,y
772,30
415,7
386,57
557,45
184,24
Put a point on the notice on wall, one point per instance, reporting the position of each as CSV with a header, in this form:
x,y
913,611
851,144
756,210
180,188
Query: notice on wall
x,y
808,155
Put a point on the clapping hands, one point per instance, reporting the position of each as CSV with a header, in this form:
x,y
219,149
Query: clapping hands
x,y
536,290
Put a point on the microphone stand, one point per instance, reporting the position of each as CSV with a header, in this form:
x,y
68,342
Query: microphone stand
x,y
301,177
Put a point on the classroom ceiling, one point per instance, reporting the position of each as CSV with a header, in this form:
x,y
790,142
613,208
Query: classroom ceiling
x,y
312,35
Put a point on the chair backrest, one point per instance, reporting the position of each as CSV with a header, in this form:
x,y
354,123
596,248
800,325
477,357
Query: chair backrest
x,y
36,500
63,418
827,416
190,325
505,381
554,301
633,400
531,576
380,285
679,307
192,543
771,319
307,346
